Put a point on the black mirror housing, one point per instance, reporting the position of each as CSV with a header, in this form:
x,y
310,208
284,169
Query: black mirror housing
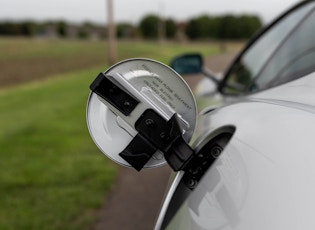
x,y
188,64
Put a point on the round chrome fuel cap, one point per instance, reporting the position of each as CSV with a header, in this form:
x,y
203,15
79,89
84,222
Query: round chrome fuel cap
x,y
149,85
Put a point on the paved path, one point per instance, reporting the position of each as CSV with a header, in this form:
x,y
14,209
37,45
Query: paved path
x,y
135,201
137,197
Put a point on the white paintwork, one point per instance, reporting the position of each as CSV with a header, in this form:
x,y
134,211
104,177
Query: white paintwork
x,y
264,179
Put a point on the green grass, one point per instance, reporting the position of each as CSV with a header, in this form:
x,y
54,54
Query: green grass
x,y
52,176
163,51
20,49
23,60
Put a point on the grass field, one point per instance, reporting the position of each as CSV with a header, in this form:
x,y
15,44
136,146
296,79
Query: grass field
x,y
51,174
22,60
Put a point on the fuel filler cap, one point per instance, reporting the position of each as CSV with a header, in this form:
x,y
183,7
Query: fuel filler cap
x,y
136,111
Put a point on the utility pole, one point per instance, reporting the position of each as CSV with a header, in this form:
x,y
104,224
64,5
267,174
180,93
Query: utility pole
x,y
161,25
111,33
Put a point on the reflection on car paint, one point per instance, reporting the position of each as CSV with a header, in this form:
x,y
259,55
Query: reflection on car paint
x,y
222,190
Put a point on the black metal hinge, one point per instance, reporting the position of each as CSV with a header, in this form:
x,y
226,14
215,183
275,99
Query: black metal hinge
x,y
158,134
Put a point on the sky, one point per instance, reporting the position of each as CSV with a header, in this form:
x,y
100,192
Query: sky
x,y
133,10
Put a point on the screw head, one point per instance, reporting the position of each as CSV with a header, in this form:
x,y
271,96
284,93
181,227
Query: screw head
x,y
149,122
191,183
127,103
163,135
112,90
216,151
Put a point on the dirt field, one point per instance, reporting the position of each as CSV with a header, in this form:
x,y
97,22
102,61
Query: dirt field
x,y
135,202
23,60
14,73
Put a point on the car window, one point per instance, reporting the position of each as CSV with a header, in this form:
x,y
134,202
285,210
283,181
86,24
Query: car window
x,y
256,68
295,58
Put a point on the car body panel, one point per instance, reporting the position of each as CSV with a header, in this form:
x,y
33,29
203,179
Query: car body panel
x,y
264,179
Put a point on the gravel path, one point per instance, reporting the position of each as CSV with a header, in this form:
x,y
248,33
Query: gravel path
x,y
137,197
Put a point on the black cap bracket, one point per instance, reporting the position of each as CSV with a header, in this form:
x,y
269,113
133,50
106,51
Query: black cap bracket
x,y
158,127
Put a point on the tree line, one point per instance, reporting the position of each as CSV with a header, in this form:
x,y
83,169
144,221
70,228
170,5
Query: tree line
x,y
60,29
150,27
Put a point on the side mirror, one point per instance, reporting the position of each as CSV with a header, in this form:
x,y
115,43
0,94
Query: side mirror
x,y
188,64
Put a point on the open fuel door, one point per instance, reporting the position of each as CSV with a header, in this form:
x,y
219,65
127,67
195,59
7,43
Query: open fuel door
x,y
141,114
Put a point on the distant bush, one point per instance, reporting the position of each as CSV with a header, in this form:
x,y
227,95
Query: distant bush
x,y
126,30
151,26
223,27
7,28
170,28
62,29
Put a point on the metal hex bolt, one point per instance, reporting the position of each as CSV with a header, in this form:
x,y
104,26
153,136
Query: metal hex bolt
x,y
216,151
127,103
191,183
112,89
149,122
163,135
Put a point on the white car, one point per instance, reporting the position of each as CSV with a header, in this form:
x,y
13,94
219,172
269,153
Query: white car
x,y
280,52
251,162
264,176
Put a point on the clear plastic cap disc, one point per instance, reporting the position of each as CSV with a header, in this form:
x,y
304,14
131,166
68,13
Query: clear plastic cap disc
x,y
158,83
